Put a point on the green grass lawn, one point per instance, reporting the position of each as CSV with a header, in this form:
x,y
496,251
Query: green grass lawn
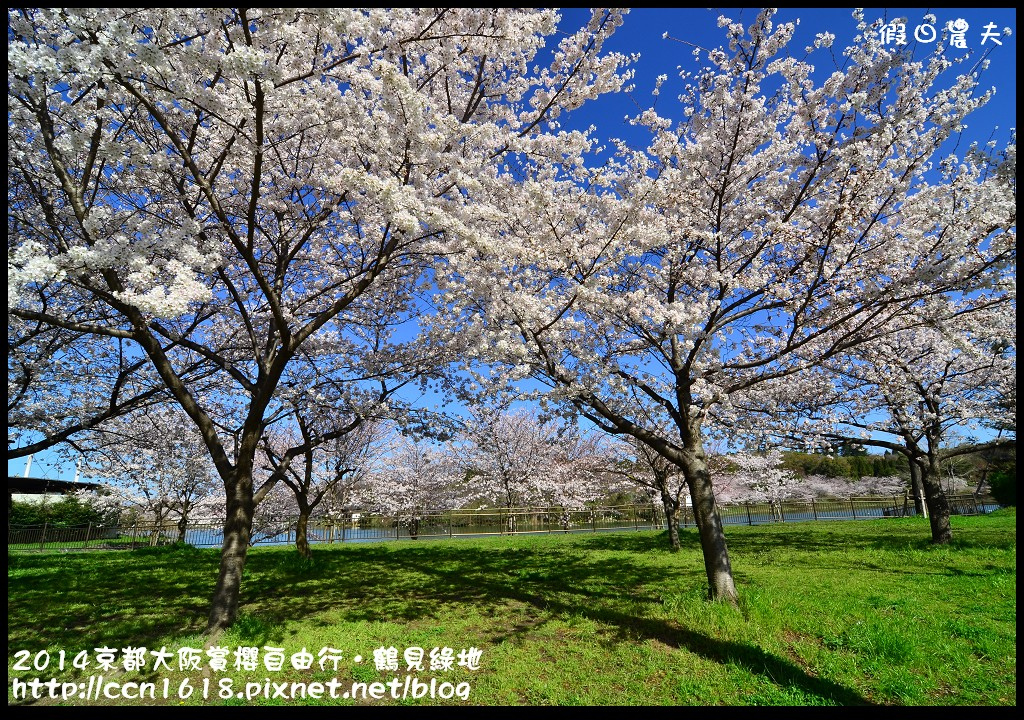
x,y
832,613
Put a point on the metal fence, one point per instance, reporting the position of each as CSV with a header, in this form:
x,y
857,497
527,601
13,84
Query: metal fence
x,y
361,527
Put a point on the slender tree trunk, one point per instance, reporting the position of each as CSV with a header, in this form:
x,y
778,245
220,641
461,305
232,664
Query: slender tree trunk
x,y
984,471
981,483
301,532
237,532
509,503
671,505
158,523
182,527
938,504
709,525
916,472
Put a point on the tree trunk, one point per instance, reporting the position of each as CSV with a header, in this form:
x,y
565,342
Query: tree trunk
x,y
509,503
918,487
709,525
158,523
237,532
938,504
671,518
301,534
182,527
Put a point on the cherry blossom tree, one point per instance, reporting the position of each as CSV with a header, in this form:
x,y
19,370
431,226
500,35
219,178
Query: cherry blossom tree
x,y
654,473
780,217
924,391
822,486
154,464
759,477
516,461
334,461
240,185
413,478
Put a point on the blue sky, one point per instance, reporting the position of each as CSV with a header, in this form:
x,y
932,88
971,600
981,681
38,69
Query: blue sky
x,y
643,31
643,28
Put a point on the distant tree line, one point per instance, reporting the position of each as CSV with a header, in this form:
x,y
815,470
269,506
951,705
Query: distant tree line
x,y
848,466
68,511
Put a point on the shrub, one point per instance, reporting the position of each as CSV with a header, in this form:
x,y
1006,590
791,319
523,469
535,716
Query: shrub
x,y
1003,484
66,512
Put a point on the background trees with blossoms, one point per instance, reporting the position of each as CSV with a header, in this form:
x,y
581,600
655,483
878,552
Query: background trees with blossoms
x,y
236,185
759,478
331,464
923,391
646,468
778,220
155,467
763,478
513,459
412,478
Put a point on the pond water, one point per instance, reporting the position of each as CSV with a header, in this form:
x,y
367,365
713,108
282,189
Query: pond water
x,y
752,514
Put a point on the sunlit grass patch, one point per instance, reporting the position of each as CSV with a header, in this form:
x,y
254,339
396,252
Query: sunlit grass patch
x,y
846,613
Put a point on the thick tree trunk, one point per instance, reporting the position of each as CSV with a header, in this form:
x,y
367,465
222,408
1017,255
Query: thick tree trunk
x,y
709,525
237,531
938,504
301,533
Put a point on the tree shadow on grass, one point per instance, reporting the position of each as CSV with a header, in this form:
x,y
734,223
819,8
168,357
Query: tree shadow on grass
x,y
138,598
432,579
142,595
115,599
885,534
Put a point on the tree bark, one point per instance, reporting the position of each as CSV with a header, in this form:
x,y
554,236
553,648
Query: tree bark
x,y
938,503
691,459
709,525
237,532
671,517
158,523
301,533
920,507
